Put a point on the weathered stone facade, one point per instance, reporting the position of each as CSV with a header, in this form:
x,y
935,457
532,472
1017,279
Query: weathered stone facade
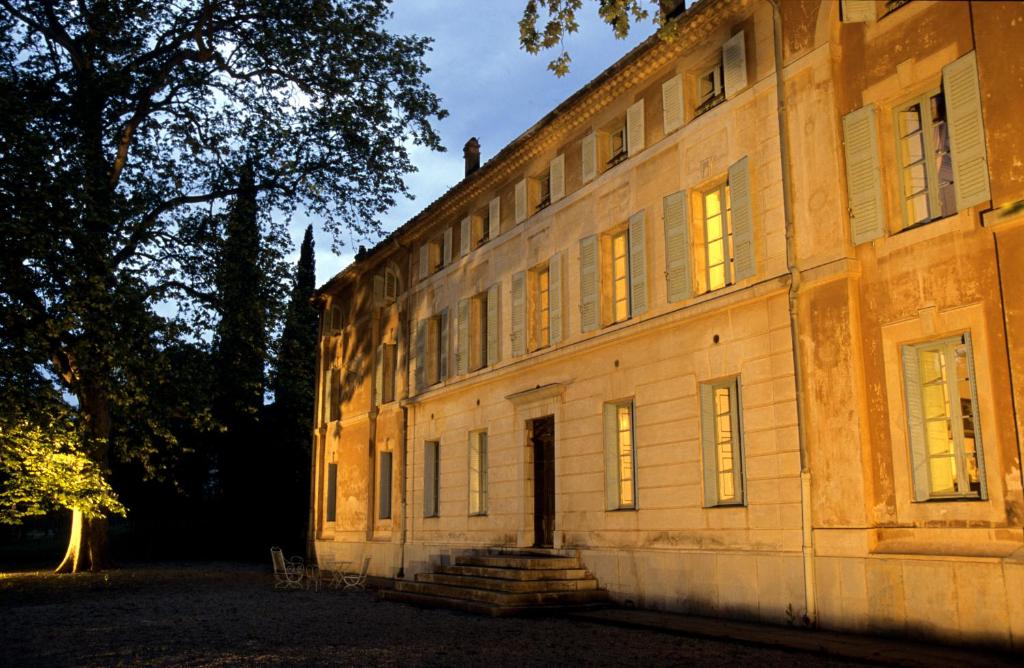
x,y
700,464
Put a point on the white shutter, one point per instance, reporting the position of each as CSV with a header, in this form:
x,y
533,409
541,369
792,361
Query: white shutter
x,y
679,283
447,255
518,314
966,131
637,264
863,175
709,458
635,127
734,63
557,175
462,338
424,262
378,377
442,346
494,218
589,158
589,285
672,103
975,416
610,429
464,232
555,298
521,211
421,355
493,325
915,422
742,220
857,11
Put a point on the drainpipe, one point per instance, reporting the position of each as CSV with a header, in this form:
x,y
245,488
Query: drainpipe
x,y
404,434
794,322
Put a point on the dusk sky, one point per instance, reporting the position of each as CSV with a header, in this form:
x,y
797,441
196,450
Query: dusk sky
x,y
492,89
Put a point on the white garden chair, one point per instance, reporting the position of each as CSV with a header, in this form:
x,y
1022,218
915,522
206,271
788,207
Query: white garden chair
x,y
357,580
288,574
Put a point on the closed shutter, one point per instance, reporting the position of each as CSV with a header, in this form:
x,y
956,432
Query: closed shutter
x,y
424,262
447,254
734,63
442,346
555,298
462,339
494,218
863,175
493,326
589,285
707,446
332,492
430,479
635,127
378,290
557,175
637,264
464,232
421,355
738,448
857,11
742,220
521,211
390,286
589,158
385,486
518,328
966,131
915,422
672,103
611,457
975,415
679,284
378,377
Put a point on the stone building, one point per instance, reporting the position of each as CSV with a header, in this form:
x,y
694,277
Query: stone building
x,y
746,339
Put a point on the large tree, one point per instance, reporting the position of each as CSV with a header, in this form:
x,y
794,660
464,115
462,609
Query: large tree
x,y
125,126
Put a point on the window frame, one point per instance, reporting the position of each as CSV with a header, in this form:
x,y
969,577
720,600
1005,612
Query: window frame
x,y
478,489
389,373
717,95
385,510
432,478
630,407
626,277
331,494
728,250
477,345
617,129
735,441
543,182
933,187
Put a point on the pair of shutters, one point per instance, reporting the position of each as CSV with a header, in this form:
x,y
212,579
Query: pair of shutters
x,y
709,449
528,186
518,331
429,329
590,278
470,225
967,152
491,314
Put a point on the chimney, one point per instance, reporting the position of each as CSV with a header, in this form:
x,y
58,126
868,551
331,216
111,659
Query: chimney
x,y
672,8
471,152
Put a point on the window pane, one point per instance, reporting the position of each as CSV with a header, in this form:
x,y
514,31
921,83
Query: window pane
x,y
716,277
716,252
943,475
910,121
918,209
712,204
915,179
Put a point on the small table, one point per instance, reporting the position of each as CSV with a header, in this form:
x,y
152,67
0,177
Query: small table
x,y
337,570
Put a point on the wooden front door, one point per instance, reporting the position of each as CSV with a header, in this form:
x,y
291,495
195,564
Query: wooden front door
x,y
542,438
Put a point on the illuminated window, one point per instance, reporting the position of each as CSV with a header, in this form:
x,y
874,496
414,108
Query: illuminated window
x,y
620,455
721,443
926,169
478,473
717,237
543,307
942,412
620,276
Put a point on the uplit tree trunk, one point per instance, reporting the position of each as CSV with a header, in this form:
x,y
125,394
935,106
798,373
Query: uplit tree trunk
x,y
87,547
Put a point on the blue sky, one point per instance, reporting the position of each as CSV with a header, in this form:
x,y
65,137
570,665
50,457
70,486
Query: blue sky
x,y
492,89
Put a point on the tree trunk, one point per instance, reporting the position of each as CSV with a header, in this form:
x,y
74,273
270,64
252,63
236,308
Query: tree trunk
x,y
87,547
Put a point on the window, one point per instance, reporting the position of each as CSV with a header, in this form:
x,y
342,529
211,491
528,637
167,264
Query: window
x,y
617,144
718,246
332,492
388,372
478,332
431,350
544,187
384,494
480,231
942,412
620,276
620,459
478,473
336,320
542,308
431,478
926,169
893,5
710,89
334,396
721,443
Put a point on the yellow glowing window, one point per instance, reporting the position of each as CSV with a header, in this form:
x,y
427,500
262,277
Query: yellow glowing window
x,y
718,237
543,308
624,425
722,443
620,277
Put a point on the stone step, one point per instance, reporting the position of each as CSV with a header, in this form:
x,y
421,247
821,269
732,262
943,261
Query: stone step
x,y
521,561
517,573
478,608
506,599
506,585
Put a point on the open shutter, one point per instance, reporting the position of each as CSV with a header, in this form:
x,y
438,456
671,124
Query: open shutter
x,y
975,416
734,63
742,219
464,232
421,355
637,264
424,262
589,284
635,127
709,459
462,338
378,376
915,422
430,479
863,175
857,11
611,457
518,314
679,284
557,174
493,326
447,255
966,131
672,103
442,346
494,218
521,211
589,158
555,298
385,486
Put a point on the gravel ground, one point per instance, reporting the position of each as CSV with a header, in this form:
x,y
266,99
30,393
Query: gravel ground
x,y
230,615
